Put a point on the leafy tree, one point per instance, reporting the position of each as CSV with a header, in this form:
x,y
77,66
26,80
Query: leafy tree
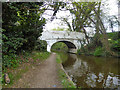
x,y
89,14
81,11
22,25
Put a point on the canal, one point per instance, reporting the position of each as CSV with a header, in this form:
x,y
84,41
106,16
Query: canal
x,y
92,72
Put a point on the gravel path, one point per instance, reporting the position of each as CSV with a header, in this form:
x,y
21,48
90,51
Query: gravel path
x,y
42,76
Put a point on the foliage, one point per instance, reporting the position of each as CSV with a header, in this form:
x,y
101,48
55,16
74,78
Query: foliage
x,y
65,82
90,14
58,59
98,51
21,26
56,7
10,61
114,39
81,14
94,43
116,45
83,50
14,76
63,57
24,60
41,45
58,29
59,46
95,47
40,55
78,51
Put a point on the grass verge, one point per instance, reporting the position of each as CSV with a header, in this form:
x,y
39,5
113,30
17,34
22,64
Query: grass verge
x,y
26,62
66,82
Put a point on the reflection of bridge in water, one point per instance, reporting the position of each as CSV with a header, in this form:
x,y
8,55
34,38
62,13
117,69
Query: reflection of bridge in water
x,y
71,39
93,72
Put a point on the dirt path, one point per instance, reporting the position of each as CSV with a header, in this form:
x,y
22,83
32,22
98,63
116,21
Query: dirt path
x,y
43,75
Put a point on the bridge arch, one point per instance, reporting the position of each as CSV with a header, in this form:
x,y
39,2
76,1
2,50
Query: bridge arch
x,y
71,39
72,48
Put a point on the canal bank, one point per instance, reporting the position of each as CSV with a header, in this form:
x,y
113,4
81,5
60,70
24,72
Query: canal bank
x,y
63,75
90,71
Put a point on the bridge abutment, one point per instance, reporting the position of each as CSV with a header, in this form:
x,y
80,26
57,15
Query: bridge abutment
x,y
48,48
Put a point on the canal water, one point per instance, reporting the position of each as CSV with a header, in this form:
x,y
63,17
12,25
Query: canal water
x,y
92,72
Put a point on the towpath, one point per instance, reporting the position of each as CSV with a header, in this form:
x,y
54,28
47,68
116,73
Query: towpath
x,y
44,75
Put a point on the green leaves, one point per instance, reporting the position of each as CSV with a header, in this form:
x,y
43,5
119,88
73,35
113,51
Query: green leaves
x,y
98,51
41,45
22,25
81,12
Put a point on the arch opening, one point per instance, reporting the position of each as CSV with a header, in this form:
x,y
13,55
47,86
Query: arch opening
x,y
68,47
69,44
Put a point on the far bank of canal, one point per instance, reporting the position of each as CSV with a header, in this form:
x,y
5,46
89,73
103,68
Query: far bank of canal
x,y
92,72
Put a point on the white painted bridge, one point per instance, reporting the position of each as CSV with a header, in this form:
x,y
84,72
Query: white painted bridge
x,y
71,39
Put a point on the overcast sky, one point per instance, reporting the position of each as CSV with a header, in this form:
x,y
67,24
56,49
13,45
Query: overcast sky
x,y
113,10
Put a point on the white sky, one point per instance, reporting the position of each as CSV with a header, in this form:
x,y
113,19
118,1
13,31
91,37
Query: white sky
x,y
113,10
56,22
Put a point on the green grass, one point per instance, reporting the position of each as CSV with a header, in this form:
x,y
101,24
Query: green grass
x,y
15,73
15,76
58,60
99,51
63,77
65,82
39,56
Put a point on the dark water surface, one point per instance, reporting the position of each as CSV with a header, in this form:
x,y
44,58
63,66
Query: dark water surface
x,y
92,72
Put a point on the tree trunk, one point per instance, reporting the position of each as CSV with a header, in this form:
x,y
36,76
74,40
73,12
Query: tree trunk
x,y
86,35
104,39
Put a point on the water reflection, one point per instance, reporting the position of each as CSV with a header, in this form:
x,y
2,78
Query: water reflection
x,y
92,72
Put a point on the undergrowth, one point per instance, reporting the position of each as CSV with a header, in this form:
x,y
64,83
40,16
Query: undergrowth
x,y
24,62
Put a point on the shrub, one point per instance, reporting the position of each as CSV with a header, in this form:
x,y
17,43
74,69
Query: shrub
x,y
78,51
98,51
116,45
10,61
41,45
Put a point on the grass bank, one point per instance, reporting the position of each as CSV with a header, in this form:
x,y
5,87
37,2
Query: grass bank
x,y
26,61
64,78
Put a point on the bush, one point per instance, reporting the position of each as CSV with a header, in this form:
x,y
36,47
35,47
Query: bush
x,y
83,50
78,51
10,61
115,41
98,51
41,45
116,45
20,30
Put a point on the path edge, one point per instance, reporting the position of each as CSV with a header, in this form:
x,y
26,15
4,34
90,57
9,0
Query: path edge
x,y
61,66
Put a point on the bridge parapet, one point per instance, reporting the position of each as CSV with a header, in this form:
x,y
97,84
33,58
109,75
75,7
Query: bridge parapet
x,y
47,35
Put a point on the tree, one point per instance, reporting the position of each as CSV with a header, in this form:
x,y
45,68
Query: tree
x,y
22,27
81,12
89,14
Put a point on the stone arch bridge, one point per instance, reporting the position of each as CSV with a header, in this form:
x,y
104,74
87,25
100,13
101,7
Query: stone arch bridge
x,y
71,39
